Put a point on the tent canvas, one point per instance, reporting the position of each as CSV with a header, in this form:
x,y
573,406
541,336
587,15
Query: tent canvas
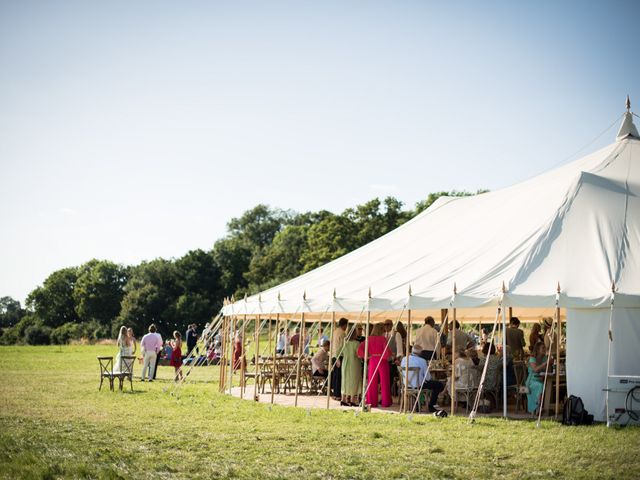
x,y
576,227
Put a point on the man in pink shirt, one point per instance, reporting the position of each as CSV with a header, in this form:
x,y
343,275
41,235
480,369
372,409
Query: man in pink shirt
x,y
150,345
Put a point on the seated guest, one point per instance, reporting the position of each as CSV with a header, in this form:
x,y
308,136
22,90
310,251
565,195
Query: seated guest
x,y
423,378
537,365
466,375
320,361
491,380
321,337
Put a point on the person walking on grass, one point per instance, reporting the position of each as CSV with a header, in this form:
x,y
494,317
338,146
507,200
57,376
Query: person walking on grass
x,y
150,345
176,355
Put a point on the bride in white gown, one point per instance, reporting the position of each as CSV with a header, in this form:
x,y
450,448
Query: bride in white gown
x,y
125,348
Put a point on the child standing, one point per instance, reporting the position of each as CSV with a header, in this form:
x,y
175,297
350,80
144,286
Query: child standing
x,y
176,355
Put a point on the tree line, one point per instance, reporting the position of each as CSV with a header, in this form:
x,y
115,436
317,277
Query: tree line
x,y
263,247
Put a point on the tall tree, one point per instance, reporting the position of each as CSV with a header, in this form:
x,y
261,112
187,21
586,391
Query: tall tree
x,y
99,290
53,302
11,312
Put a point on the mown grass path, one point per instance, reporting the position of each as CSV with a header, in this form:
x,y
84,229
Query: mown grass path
x,y
55,424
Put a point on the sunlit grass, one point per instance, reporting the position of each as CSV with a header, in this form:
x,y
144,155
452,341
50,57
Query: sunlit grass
x,y
55,423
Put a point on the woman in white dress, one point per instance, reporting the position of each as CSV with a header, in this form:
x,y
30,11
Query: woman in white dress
x,y
125,348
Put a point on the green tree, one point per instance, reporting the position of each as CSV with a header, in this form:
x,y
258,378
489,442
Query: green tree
x,y
329,239
99,290
11,312
53,302
150,297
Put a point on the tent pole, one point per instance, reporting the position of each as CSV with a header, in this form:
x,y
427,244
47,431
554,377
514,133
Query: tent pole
x,y
243,355
300,348
366,353
269,349
453,364
613,294
223,356
273,371
331,352
558,337
405,393
220,369
504,364
256,357
232,347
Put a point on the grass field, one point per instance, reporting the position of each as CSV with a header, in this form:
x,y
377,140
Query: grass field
x,y
54,423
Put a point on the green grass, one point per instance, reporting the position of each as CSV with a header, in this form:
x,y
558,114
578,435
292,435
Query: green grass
x,y
55,424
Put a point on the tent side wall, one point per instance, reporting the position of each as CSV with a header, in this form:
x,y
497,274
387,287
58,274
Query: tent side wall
x,y
588,350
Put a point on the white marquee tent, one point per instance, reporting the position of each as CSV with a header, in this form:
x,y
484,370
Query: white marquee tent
x,y
577,226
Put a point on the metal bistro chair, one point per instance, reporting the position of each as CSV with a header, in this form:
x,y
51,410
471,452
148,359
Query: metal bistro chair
x,y
106,371
125,371
412,393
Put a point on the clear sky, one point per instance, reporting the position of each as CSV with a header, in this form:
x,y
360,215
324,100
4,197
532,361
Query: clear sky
x,y
136,130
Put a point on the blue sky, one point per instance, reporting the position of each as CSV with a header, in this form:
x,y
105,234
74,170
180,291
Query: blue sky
x,y
133,130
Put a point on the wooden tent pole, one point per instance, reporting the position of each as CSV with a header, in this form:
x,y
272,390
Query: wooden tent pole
x,y
256,357
223,358
366,354
273,371
243,356
298,365
331,352
232,346
453,364
558,338
405,393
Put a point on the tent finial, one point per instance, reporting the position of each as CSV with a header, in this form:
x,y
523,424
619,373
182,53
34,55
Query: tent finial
x,y
613,287
304,296
334,292
627,129
410,293
504,287
279,295
558,288
369,292
455,288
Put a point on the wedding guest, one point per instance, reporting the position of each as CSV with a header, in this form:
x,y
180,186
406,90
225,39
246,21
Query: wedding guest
x,y
515,338
535,336
124,348
536,364
351,371
176,355
132,341
338,342
150,345
378,368
423,379
320,361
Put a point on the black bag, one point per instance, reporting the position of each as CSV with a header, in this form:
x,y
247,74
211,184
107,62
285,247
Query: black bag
x,y
574,413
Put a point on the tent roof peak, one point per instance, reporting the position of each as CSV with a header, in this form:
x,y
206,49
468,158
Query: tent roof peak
x,y
627,129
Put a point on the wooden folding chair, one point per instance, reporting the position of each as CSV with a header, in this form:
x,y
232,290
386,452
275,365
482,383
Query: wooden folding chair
x,y
412,393
126,370
106,371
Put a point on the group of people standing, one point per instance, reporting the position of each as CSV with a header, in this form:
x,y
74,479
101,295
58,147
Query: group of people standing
x,y
152,349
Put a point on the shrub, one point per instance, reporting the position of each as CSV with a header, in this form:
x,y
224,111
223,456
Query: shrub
x,y
65,333
37,334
